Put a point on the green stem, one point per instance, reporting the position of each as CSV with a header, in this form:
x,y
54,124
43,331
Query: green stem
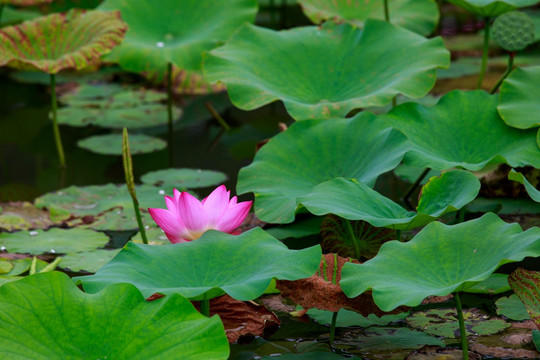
x,y
484,54
333,327
56,129
356,246
398,235
386,11
217,116
462,331
509,69
170,114
139,221
1,10
461,215
205,307
413,187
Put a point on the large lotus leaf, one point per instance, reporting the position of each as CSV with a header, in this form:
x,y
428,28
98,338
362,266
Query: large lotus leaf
x,y
97,199
174,32
188,178
90,261
46,316
322,72
519,98
520,178
111,144
52,241
463,130
491,8
311,152
51,43
439,260
354,200
242,266
419,16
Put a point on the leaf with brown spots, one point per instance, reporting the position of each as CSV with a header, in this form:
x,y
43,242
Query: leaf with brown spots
x,y
526,284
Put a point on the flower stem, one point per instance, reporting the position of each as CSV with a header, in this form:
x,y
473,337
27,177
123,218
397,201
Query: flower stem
x,y
56,129
170,114
333,327
484,53
398,235
217,116
356,246
509,69
462,331
205,307
386,11
413,187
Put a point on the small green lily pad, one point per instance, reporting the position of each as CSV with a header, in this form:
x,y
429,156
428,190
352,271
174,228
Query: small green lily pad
x,y
111,144
444,322
512,307
348,318
394,338
187,178
199,270
90,261
55,240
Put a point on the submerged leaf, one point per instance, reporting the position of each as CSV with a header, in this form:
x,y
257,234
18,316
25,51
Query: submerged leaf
x,y
51,43
339,67
46,316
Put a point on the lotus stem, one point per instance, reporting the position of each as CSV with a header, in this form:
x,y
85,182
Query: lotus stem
x,y
1,10
394,101
461,215
398,235
56,129
509,69
205,307
130,182
170,114
413,187
333,327
356,246
462,331
386,11
484,53
217,116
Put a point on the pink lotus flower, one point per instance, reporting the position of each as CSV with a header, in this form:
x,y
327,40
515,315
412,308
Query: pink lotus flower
x,y
187,218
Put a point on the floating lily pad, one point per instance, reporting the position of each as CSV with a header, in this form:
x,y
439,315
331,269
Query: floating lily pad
x,y
339,67
520,178
52,241
526,285
111,144
462,255
55,42
512,307
444,322
419,16
46,316
187,178
319,355
314,151
495,284
90,261
112,220
394,338
473,132
353,200
198,269
169,33
23,216
491,8
348,318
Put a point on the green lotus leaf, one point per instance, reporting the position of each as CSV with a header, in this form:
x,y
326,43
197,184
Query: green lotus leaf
x,y
354,200
495,284
512,307
520,178
113,220
24,2
97,199
311,152
444,322
175,34
319,355
217,263
188,178
518,98
439,260
419,16
348,318
411,173
110,95
46,316
323,72
111,144
462,130
491,8
90,261
51,43
52,241
11,16
393,338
